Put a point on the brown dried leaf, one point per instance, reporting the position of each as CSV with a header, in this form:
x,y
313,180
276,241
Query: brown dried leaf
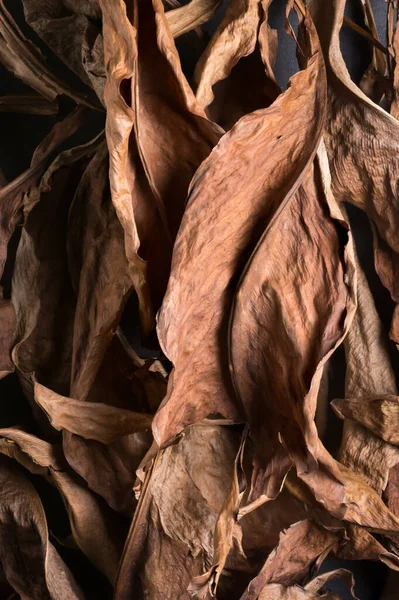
x,y
191,15
230,75
90,420
373,80
98,532
310,591
11,195
23,59
281,293
31,564
302,546
233,195
361,140
176,516
368,373
41,264
99,272
157,136
110,469
7,332
379,414
70,34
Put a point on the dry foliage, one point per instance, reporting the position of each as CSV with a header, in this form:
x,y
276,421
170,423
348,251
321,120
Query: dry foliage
x,y
206,213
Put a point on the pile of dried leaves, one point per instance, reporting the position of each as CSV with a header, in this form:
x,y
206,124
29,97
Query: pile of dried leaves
x,y
175,290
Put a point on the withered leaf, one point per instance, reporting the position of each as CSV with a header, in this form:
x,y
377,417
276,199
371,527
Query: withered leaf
x,y
98,532
300,547
11,195
368,372
72,36
191,15
233,196
41,261
178,508
30,562
310,591
379,414
28,104
206,468
22,58
7,328
361,171
234,74
91,420
157,136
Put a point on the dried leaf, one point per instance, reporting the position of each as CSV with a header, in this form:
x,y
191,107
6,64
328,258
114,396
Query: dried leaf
x,y
230,75
96,529
191,15
71,36
41,262
301,546
361,171
11,195
91,420
21,57
28,104
31,564
150,105
379,414
227,210
179,503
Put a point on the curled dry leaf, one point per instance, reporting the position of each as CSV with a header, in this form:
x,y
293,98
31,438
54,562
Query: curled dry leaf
x,y
21,57
91,420
368,372
311,590
99,271
30,563
234,74
7,328
149,104
218,233
72,36
41,262
379,414
28,104
11,195
304,544
361,171
109,469
97,531
184,491
191,15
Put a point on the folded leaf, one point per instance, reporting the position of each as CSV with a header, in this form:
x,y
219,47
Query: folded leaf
x,y
21,57
31,564
157,136
91,420
176,515
71,36
378,414
97,530
302,546
233,196
11,195
230,75
42,262
359,137
191,15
